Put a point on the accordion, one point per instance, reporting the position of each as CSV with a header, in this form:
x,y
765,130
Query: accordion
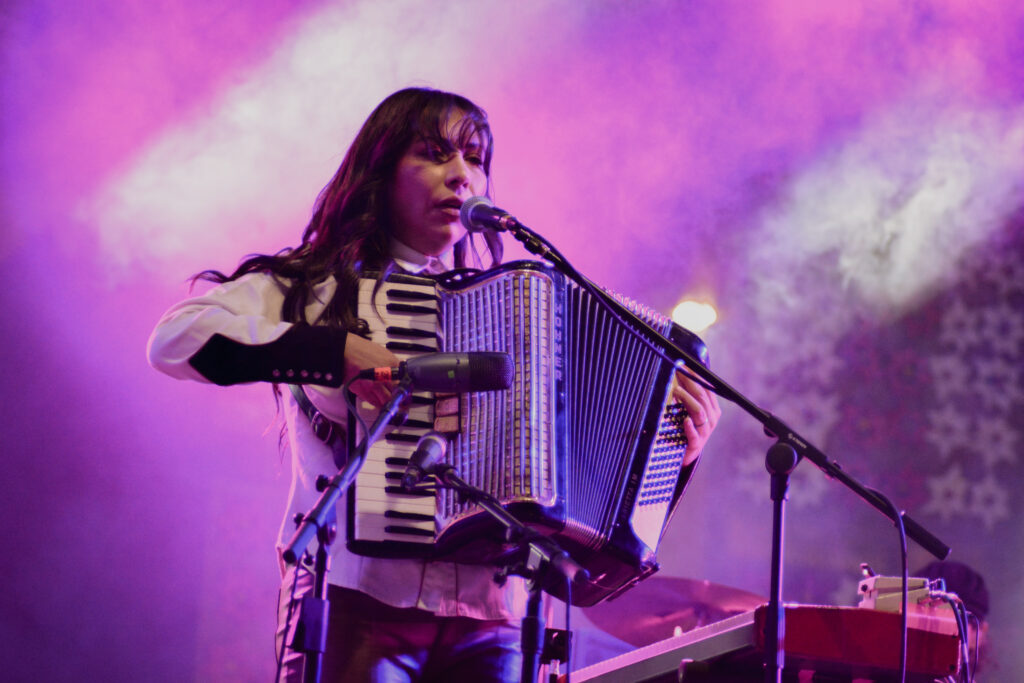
x,y
586,446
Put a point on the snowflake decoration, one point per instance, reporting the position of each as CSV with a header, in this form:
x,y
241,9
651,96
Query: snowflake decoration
x,y
961,329
990,502
949,429
1005,277
1003,326
998,385
947,494
950,374
996,372
996,440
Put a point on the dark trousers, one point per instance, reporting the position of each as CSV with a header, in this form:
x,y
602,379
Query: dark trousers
x,y
368,641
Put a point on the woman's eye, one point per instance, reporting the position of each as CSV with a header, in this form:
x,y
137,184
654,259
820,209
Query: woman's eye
x,y
434,153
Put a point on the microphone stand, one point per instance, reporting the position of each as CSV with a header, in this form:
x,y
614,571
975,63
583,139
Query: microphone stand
x,y
312,628
542,556
778,461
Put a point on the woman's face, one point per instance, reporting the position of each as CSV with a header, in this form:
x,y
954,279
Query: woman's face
x,y
430,185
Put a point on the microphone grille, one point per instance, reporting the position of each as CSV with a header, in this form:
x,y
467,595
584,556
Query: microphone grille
x,y
437,445
491,370
467,209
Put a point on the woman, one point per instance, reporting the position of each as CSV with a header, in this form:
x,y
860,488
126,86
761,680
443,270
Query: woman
x,y
393,204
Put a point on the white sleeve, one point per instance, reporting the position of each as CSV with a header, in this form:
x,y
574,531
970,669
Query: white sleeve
x,y
246,310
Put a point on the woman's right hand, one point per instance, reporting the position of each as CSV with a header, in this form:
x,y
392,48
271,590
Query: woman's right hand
x,y
363,354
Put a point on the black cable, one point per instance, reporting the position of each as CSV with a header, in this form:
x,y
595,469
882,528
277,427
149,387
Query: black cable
x,y
961,617
977,641
898,519
960,614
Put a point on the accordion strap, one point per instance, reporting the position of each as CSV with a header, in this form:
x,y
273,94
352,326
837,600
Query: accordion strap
x,y
328,431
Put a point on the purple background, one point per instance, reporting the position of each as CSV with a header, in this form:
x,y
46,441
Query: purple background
x,y
842,180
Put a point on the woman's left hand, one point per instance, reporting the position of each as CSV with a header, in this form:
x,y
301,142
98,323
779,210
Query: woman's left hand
x,y
703,410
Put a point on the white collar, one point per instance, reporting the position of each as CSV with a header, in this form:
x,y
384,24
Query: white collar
x,y
415,262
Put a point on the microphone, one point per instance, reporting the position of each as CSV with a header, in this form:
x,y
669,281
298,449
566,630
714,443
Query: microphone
x,y
480,213
451,373
430,450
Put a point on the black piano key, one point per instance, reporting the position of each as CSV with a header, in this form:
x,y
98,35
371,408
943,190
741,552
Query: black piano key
x,y
411,516
402,438
409,346
396,475
400,491
410,295
408,531
409,332
410,308
398,462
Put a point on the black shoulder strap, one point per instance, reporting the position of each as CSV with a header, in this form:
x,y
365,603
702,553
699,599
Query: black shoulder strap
x,y
331,433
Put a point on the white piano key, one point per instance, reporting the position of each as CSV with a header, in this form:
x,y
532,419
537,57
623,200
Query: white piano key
x,y
370,487
378,522
374,529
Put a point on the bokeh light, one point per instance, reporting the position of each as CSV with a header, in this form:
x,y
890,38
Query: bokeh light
x,y
695,316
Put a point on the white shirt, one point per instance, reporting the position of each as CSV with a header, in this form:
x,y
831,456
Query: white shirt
x,y
248,310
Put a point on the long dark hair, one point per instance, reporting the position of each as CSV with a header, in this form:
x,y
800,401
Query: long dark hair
x,y
350,229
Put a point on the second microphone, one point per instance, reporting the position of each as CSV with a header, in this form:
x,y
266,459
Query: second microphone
x,y
452,373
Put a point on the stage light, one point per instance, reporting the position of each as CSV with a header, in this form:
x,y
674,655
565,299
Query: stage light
x,y
694,315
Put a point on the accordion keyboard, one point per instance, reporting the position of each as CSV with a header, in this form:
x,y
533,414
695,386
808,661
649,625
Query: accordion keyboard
x,y
403,318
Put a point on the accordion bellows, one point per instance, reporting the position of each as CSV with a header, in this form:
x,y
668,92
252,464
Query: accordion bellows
x,y
584,447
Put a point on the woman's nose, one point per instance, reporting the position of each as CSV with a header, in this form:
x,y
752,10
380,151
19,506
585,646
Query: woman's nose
x,y
458,172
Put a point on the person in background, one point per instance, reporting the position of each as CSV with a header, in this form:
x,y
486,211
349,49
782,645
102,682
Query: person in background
x,y
970,587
